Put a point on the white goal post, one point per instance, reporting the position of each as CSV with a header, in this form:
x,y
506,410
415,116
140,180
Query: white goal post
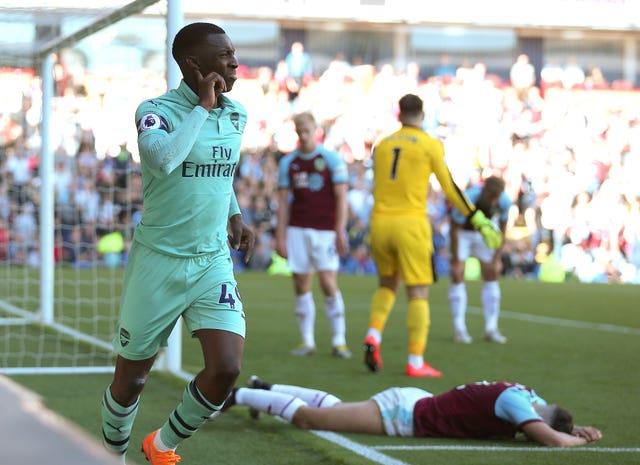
x,y
59,319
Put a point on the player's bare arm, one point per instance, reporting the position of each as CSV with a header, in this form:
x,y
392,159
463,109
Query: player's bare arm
x,y
457,266
542,433
283,218
454,229
340,190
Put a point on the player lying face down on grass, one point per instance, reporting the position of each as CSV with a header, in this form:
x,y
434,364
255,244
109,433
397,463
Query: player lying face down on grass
x,y
482,410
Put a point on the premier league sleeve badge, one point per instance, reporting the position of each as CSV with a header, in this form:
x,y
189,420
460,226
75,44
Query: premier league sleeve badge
x,y
152,121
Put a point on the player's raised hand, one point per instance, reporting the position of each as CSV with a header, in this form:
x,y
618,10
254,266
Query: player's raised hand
x,y
209,87
491,234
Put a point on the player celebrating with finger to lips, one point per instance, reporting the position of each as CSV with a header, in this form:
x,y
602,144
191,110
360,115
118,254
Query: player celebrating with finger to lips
x,y
180,264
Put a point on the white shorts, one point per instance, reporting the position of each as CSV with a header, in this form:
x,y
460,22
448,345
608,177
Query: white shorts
x,y
396,407
311,250
470,244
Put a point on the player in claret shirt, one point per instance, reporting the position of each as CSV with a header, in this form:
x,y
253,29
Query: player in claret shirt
x,y
483,410
311,231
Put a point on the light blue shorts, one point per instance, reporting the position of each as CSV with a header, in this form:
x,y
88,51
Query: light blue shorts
x,y
158,289
396,406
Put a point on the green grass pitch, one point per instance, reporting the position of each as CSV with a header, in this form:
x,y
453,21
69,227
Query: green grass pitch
x,y
578,345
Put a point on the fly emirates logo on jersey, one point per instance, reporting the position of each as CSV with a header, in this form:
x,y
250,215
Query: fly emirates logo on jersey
x,y
220,166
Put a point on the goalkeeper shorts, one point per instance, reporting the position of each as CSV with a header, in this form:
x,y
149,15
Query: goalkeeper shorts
x,y
403,244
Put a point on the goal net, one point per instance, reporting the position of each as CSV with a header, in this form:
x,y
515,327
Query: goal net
x,y
59,293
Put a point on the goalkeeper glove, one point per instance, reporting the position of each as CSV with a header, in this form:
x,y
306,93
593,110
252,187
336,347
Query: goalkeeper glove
x,y
491,235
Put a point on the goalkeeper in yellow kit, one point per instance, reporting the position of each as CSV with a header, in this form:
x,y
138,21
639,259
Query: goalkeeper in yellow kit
x,y
401,239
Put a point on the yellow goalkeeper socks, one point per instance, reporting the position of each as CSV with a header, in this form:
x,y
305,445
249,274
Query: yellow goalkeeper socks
x,y
418,321
381,305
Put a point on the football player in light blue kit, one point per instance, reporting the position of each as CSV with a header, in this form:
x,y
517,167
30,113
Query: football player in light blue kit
x,y
179,264
467,242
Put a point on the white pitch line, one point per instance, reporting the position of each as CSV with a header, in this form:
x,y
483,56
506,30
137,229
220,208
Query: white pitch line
x,y
563,322
634,450
363,451
371,454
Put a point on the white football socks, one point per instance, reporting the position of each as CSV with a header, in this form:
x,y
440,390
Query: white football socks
x,y
491,305
273,403
334,309
313,397
458,304
305,311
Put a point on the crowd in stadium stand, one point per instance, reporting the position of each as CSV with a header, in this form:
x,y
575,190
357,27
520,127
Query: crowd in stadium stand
x,y
569,152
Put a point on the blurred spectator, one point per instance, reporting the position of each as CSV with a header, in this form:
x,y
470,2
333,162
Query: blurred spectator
x,y
437,211
63,180
526,207
359,262
595,79
264,249
18,171
299,69
409,80
551,75
572,75
357,232
281,74
360,199
518,259
265,78
262,216
338,71
563,144
10,129
522,75
23,238
445,69
86,156
630,242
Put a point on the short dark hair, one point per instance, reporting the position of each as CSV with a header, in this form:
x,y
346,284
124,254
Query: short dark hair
x,y
190,36
562,420
494,185
410,104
